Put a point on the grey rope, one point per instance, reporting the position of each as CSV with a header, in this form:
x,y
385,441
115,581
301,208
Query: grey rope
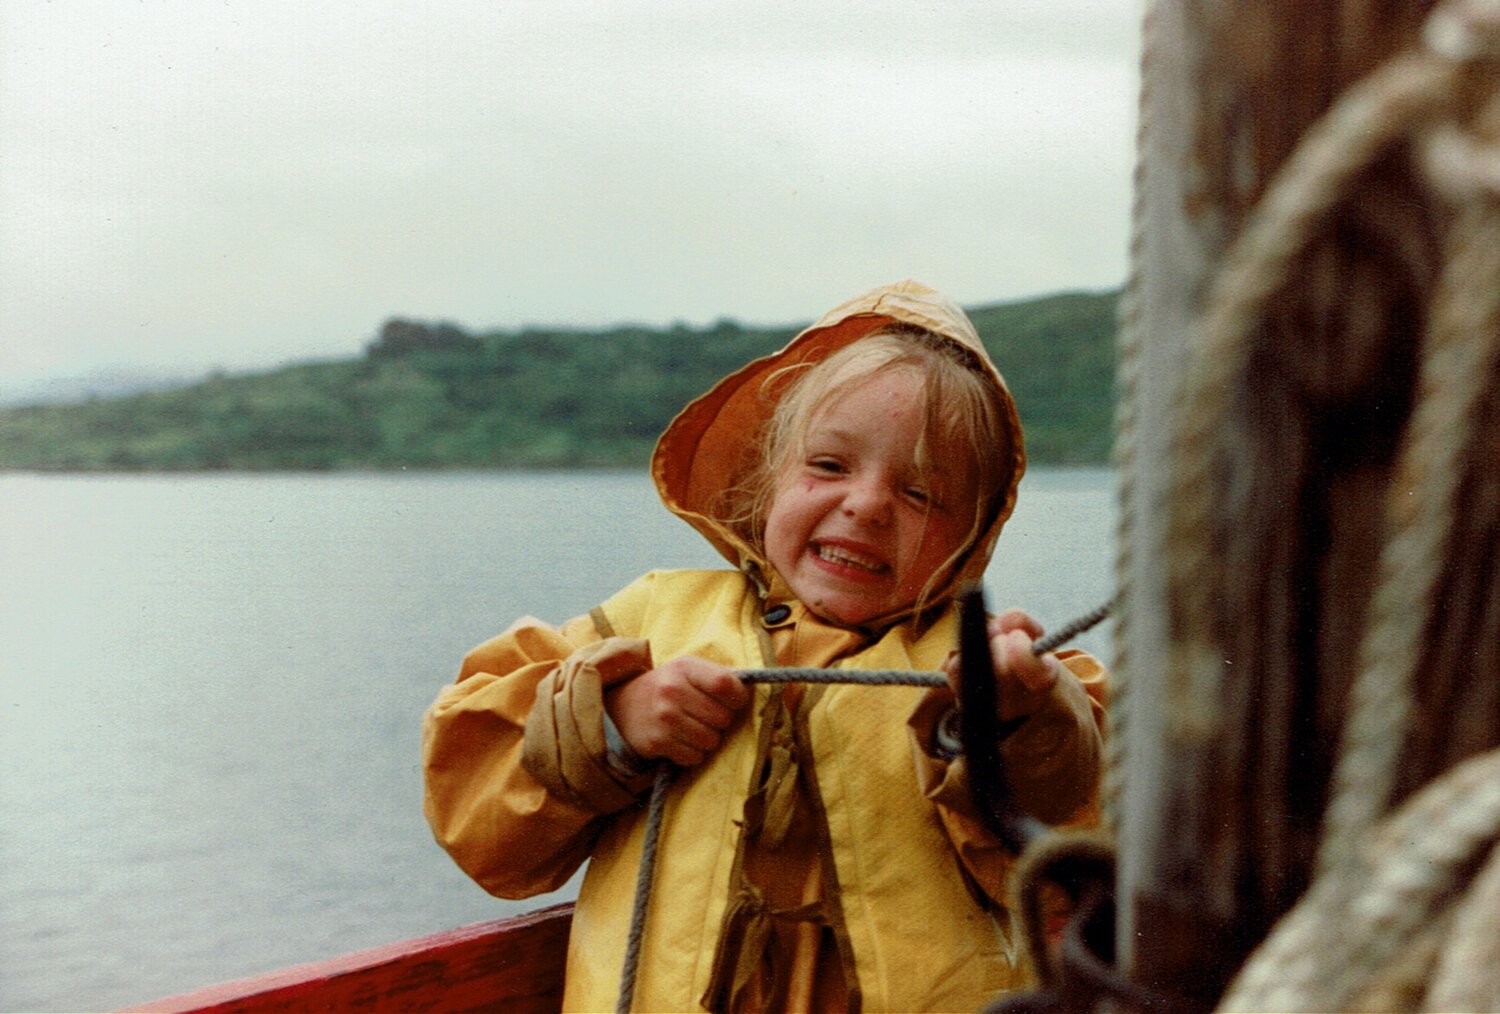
x,y
643,879
1062,635
775,675
868,677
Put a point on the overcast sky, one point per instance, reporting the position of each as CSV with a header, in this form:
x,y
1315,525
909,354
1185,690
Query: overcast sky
x,y
190,184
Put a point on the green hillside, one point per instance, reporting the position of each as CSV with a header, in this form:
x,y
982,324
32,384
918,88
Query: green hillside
x,y
435,396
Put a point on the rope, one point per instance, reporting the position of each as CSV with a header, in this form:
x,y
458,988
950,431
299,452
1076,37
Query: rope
x,y
1463,346
1372,924
1372,900
1369,120
868,677
781,675
1056,858
1129,338
1065,633
1473,942
1348,929
644,876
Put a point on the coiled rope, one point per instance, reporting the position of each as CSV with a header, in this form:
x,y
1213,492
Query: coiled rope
x,y
1373,925
1369,120
780,675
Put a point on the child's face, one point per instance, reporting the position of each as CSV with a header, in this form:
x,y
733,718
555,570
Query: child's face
x,y
853,529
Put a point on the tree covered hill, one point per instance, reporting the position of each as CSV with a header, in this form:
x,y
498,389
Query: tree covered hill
x,y
435,396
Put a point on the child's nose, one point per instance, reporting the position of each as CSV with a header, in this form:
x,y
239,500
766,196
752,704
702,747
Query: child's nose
x,y
868,500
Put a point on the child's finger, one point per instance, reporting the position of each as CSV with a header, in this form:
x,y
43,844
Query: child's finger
x,y
708,710
693,736
682,753
1014,658
950,668
1015,619
677,736
719,683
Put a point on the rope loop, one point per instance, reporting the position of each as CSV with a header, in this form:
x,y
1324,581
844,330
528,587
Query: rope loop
x,y
1464,31
1344,942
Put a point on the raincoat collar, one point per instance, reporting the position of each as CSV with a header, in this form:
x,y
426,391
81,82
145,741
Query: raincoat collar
x,y
712,441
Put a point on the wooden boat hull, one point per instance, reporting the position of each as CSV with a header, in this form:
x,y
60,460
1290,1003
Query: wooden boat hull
x,y
515,963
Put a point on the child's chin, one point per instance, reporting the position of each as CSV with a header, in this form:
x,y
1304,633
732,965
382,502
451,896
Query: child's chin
x,y
847,614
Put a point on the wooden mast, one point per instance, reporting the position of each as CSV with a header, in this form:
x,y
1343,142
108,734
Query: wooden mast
x,y
1217,833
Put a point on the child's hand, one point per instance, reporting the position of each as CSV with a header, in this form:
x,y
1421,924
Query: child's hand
x,y
1012,634
1022,679
678,710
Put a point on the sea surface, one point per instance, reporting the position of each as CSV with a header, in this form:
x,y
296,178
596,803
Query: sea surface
x,y
211,689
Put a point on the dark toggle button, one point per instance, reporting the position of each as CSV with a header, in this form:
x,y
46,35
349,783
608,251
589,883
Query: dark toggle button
x,y
777,614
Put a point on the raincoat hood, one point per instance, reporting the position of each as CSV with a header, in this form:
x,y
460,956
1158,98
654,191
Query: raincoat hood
x,y
710,443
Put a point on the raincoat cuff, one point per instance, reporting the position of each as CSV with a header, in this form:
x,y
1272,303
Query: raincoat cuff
x,y
566,745
1054,758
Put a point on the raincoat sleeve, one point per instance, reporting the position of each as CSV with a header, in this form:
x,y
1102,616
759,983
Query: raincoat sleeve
x,y
516,764
1052,759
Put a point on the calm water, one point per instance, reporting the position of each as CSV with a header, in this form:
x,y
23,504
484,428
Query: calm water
x,y
211,689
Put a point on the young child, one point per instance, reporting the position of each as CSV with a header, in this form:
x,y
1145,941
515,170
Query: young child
x,y
818,850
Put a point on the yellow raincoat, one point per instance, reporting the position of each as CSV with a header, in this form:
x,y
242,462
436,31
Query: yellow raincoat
x,y
826,856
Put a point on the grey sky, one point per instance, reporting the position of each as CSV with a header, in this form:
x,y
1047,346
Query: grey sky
x,y
191,184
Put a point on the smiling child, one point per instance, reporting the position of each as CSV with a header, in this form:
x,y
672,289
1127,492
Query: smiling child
x,y
819,851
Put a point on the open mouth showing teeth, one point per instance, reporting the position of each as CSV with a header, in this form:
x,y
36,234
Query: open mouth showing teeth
x,y
845,558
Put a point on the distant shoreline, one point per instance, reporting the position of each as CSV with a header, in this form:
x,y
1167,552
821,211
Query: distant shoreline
x,y
434,397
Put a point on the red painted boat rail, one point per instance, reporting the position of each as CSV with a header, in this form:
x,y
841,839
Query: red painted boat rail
x,y
517,963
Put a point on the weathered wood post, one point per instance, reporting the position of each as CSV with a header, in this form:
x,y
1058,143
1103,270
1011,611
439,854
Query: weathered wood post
x,y
1217,821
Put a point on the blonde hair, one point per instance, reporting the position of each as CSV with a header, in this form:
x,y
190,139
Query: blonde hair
x,y
961,409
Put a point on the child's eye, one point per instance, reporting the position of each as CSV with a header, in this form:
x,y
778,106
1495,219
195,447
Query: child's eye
x,y
831,466
925,497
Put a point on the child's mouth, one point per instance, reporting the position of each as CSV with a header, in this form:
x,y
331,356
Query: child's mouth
x,y
842,557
